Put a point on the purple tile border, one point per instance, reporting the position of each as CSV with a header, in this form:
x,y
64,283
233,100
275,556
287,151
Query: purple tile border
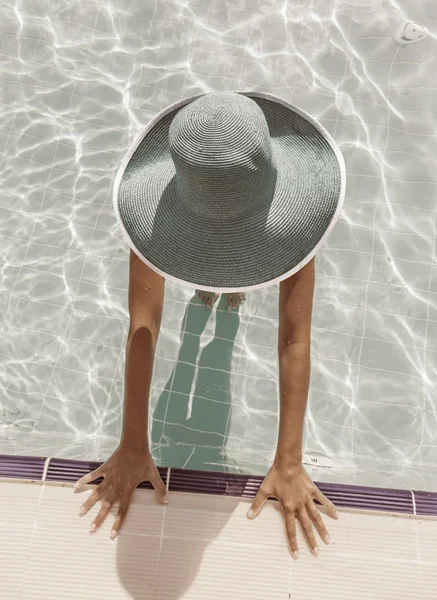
x,y
426,503
22,467
226,484
369,498
246,486
69,471
211,482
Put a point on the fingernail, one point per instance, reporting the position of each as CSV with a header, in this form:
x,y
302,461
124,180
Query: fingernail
x,y
93,527
327,539
114,534
316,551
250,514
82,511
165,499
295,555
76,484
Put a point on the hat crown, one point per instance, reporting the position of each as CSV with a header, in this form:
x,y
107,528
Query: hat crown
x,y
221,149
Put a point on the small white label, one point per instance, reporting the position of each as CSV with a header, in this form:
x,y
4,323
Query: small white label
x,y
317,461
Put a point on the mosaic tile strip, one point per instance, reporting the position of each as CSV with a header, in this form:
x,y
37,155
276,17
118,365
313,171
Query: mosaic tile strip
x,y
69,471
22,467
426,503
226,484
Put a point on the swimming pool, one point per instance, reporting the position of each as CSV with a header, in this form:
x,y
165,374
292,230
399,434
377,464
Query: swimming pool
x,y
78,82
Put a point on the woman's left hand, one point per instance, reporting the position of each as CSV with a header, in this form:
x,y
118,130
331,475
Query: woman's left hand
x,y
296,493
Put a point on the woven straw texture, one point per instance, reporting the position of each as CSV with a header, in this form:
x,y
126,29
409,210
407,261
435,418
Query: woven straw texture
x,y
230,191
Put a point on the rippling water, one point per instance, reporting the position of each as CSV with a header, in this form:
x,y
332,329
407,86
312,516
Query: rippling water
x,y
79,79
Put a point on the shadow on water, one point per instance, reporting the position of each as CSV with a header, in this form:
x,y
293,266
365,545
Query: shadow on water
x,y
190,424
191,419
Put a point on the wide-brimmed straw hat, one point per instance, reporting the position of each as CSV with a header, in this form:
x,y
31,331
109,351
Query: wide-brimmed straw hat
x,y
229,191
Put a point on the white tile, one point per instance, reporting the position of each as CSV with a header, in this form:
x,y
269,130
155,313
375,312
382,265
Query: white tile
x,y
201,547
426,529
429,581
206,518
66,560
358,576
18,508
370,556
197,570
61,504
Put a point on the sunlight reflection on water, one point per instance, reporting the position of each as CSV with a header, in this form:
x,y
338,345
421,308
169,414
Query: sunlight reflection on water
x,y
78,82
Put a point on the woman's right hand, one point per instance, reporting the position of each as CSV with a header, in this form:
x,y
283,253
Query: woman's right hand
x,y
121,473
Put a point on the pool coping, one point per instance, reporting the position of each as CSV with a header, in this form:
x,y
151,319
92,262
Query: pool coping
x,y
59,470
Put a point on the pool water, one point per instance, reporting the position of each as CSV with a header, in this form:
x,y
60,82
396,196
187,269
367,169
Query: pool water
x,y
78,81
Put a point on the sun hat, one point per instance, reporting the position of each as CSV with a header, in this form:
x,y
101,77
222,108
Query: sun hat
x,y
229,191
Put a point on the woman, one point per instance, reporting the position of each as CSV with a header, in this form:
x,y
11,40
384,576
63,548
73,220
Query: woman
x,y
226,192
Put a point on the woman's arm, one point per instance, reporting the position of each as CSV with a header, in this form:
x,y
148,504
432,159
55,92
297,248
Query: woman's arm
x,y
132,462
294,354
287,480
146,297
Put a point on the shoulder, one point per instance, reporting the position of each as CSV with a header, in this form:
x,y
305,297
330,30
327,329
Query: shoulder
x,y
304,277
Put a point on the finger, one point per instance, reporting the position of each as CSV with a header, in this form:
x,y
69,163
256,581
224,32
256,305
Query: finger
x,y
121,514
317,520
307,528
258,503
89,478
102,514
159,486
330,508
91,500
290,528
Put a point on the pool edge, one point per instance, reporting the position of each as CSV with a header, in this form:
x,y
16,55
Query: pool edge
x,y
59,470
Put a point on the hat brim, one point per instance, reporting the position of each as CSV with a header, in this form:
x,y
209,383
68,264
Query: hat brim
x,y
248,253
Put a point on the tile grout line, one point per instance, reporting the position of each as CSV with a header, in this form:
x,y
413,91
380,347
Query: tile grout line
x,y
413,497
170,380
380,197
167,483
349,63
170,329
236,373
106,411
36,215
46,468
256,377
425,379
34,524
71,308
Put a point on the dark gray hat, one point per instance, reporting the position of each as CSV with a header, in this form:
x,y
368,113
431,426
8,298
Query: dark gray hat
x,y
229,191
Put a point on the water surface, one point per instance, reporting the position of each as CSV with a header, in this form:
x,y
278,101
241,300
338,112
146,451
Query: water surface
x,y
78,81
